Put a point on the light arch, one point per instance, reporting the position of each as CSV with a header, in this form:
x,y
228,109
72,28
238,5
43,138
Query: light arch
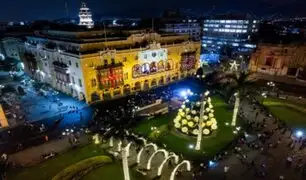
x,y
160,168
119,147
188,166
143,140
166,154
141,150
111,141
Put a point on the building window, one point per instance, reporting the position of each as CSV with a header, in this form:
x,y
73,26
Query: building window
x,y
93,82
126,76
46,64
69,62
72,79
113,61
80,82
77,65
105,62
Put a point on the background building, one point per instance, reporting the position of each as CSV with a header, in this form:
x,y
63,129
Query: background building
x,y
280,60
227,36
85,16
89,66
175,22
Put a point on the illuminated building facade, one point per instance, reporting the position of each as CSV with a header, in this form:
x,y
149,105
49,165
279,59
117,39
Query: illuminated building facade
x,y
10,48
231,32
95,69
85,16
279,60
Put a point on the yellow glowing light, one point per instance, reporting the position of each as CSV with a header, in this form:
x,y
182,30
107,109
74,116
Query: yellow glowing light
x,y
190,124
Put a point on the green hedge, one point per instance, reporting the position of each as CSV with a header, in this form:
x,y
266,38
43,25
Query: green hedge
x,y
160,132
78,170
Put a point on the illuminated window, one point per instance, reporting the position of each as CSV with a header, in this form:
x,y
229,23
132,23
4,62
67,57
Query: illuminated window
x,y
76,65
222,21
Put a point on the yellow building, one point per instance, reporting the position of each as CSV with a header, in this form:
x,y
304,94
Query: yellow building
x,y
89,66
3,120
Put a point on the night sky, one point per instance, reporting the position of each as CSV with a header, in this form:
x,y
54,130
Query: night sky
x,y
21,10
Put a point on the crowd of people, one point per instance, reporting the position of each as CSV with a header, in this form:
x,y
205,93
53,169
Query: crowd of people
x,y
268,150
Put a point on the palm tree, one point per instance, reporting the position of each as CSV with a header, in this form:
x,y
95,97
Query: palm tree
x,y
236,85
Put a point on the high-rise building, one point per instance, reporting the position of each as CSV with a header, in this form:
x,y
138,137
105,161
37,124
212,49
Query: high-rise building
x,y
90,67
227,35
85,16
190,27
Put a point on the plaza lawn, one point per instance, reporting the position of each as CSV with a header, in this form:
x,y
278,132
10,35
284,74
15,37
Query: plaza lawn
x,y
178,142
292,113
112,172
50,168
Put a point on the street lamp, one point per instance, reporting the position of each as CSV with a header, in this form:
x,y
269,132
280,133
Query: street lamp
x,y
263,95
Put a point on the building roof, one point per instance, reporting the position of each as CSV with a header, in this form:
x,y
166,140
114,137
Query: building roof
x,y
233,16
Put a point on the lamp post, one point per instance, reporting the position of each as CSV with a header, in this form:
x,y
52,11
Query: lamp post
x,y
199,138
125,164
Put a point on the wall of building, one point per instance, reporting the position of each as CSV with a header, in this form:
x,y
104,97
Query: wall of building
x,y
11,47
278,60
130,59
108,73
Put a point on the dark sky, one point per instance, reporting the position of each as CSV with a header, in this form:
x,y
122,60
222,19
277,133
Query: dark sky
x,y
17,10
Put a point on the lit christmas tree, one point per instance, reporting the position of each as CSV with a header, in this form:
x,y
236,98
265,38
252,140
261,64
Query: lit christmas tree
x,y
194,110
85,16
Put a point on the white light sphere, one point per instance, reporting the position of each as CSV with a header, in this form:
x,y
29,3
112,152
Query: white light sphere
x,y
211,115
182,113
184,129
198,103
206,131
180,110
205,117
208,123
195,131
196,119
177,125
187,109
206,93
214,127
188,117
183,106
193,112
184,121
207,109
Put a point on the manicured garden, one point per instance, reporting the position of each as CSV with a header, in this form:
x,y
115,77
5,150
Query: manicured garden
x,y
180,143
292,113
112,172
49,168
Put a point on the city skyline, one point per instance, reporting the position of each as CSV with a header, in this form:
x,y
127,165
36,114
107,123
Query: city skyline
x,y
134,8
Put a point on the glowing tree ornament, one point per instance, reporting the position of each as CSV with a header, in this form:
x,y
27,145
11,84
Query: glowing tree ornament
x,y
196,117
